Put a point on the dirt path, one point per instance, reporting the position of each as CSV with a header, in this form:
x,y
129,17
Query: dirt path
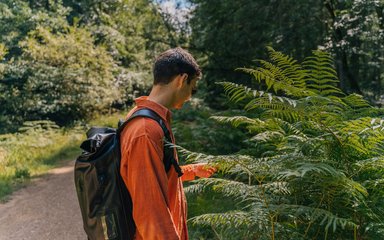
x,y
45,210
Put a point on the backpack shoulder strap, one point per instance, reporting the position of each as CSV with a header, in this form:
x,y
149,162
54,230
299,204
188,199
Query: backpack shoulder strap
x,y
169,158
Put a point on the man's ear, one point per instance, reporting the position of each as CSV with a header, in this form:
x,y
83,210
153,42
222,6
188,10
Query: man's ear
x,y
181,79
185,77
178,81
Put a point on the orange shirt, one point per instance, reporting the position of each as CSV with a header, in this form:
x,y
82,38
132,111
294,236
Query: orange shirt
x,y
159,203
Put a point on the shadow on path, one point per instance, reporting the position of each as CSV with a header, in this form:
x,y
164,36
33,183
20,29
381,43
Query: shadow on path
x,y
46,210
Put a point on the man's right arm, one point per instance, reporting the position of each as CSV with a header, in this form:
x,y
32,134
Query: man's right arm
x,y
147,182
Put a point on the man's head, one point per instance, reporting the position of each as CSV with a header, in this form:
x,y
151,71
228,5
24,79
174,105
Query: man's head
x,y
174,62
176,70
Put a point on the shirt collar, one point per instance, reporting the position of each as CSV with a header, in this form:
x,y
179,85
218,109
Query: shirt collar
x,y
144,102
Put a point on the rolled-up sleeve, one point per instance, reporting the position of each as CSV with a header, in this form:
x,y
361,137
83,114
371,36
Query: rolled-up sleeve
x,y
188,172
147,182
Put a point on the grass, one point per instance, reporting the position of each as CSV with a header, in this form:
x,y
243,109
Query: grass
x,y
33,152
38,147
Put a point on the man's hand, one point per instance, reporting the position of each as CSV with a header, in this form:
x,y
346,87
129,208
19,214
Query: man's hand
x,y
203,170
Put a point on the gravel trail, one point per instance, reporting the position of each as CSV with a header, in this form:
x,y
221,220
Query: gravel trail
x,y
47,209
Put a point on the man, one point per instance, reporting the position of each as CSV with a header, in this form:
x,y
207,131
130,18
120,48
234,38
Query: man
x,y
159,205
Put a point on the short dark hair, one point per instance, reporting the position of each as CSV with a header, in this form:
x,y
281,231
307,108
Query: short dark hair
x,y
173,62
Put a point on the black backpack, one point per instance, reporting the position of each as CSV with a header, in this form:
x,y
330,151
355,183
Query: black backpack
x,y
105,203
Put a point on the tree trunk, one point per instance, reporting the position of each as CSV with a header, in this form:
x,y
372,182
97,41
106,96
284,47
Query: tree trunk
x,y
345,74
380,52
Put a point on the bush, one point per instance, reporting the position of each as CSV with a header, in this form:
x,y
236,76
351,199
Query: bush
x,y
62,77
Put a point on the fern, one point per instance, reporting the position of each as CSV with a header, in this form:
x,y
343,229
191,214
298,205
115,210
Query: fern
x,y
313,168
282,74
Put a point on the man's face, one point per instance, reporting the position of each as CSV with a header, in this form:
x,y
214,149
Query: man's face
x,y
186,92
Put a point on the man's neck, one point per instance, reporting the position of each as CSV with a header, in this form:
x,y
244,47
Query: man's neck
x,y
161,95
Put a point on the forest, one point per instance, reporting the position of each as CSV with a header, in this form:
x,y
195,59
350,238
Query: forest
x,y
289,107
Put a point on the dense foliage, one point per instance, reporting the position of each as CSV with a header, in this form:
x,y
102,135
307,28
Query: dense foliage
x,y
313,165
60,77
66,60
229,34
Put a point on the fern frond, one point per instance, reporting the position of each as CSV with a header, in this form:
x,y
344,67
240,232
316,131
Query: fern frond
x,y
272,81
230,188
374,185
236,121
238,92
372,163
270,101
283,114
312,214
195,188
291,129
362,125
259,99
302,169
356,101
321,77
319,108
267,136
223,162
192,156
290,67
230,219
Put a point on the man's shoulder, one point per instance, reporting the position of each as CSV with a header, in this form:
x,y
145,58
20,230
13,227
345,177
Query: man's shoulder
x,y
143,127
